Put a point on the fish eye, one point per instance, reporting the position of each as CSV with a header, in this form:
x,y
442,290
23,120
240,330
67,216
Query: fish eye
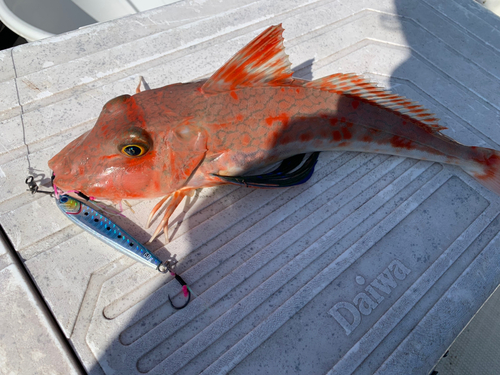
x,y
134,150
136,142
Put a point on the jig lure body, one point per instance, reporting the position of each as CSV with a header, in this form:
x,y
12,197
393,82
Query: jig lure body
x,y
107,231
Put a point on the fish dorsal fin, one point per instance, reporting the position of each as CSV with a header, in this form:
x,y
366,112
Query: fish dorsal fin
x,y
355,85
263,60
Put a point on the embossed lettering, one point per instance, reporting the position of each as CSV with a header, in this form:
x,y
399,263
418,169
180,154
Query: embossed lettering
x,y
374,293
365,304
384,282
399,269
355,316
350,317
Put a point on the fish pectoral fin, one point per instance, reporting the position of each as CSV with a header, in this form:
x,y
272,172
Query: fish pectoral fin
x,y
187,148
285,175
263,60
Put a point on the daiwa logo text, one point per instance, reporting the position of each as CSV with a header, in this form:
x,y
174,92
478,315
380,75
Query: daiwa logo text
x,y
348,315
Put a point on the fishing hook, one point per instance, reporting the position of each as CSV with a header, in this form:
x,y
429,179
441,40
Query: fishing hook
x,y
164,267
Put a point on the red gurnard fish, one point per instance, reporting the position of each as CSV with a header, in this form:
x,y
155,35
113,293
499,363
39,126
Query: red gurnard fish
x,y
251,113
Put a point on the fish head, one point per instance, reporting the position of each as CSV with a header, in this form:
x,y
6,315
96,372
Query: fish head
x,y
131,153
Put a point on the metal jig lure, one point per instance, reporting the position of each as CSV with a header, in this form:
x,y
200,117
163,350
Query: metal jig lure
x,y
107,231
112,234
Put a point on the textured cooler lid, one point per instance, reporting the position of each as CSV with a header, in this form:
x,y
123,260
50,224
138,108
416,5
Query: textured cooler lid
x,y
373,266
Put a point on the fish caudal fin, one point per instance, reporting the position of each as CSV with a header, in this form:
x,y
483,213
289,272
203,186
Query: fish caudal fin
x,y
485,167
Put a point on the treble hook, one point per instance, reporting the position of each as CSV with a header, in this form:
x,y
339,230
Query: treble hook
x,y
185,289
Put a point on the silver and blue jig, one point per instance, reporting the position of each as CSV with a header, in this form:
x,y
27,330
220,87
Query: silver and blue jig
x,y
106,230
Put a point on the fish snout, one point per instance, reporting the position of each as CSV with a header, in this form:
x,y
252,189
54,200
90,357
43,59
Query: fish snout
x,y
66,165
60,165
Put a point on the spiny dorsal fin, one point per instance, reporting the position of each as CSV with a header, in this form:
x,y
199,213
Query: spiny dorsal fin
x,y
263,60
356,85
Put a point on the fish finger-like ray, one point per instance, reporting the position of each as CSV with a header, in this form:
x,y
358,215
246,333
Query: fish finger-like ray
x,y
177,198
155,209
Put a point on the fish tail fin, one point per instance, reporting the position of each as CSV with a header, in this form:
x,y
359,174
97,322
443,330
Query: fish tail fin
x,y
485,167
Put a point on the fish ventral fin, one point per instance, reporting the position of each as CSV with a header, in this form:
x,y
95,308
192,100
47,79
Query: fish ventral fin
x,y
357,86
263,60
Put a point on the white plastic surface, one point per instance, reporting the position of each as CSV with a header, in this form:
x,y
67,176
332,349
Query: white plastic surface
x,y
110,10
19,26
40,19
373,266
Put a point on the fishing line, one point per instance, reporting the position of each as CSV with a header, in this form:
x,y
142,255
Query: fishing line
x,y
30,169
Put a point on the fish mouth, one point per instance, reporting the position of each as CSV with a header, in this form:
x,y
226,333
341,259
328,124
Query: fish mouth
x,y
68,186
81,186
62,184
64,180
